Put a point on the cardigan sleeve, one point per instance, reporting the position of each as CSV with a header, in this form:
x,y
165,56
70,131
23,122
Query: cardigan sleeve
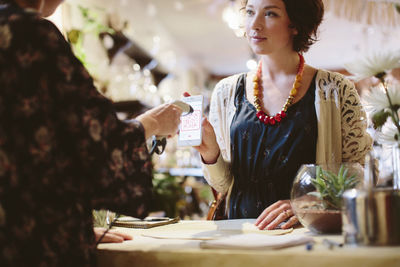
x,y
221,111
342,123
356,142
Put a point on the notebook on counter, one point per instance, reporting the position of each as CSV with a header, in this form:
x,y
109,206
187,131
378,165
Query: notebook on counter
x,y
148,222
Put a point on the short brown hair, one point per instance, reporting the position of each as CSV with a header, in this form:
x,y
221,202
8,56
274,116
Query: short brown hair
x,y
305,16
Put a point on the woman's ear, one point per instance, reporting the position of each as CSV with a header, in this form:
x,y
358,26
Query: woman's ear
x,y
294,30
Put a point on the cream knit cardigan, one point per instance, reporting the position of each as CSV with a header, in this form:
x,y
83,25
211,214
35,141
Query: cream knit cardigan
x,y
342,124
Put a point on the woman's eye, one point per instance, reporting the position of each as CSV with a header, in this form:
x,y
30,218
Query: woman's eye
x,y
270,14
249,12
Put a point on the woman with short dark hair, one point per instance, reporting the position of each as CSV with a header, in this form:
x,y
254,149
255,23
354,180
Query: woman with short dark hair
x,y
263,125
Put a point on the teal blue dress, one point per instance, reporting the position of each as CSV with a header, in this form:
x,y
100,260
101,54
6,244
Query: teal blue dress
x,y
266,158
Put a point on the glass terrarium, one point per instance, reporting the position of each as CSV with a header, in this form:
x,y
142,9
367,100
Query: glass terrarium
x,y
316,196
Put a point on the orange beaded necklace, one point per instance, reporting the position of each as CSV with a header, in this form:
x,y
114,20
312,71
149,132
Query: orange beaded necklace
x,y
257,82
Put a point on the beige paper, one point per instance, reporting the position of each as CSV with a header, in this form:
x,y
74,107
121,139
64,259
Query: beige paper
x,y
211,230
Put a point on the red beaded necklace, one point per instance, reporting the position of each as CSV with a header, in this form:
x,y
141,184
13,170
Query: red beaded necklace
x,y
257,82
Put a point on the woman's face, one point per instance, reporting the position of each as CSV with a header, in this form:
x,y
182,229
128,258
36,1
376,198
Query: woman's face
x,y
268,26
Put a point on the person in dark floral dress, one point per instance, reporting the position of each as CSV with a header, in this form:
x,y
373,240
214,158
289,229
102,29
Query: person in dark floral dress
x,y
63,152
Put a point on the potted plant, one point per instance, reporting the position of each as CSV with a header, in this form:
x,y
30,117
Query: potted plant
x,y
316,196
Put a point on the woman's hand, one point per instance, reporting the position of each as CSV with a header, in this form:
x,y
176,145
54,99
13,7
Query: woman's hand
x,y
208,149
112,236
275,214
163,120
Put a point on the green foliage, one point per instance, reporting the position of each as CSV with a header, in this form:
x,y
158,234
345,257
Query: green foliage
x,y
379,119
206,194
99,218
75,37
91,25
168,194
330,187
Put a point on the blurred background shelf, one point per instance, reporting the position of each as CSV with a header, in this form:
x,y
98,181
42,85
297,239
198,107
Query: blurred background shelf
x,y
195,172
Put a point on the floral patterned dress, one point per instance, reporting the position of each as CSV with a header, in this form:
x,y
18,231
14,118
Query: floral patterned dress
x,y
63,152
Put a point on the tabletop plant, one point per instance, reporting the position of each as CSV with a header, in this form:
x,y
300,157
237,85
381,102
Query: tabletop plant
x,y
331,186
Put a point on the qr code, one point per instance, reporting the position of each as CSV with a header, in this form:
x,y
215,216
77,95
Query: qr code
x,y
191,122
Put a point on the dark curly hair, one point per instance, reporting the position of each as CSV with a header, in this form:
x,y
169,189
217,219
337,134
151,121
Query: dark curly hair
x,y
305,16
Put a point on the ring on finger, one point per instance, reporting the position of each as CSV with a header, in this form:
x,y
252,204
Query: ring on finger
x,y
287,213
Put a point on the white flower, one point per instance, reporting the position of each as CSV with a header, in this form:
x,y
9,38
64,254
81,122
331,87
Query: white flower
x,y
394,93
376,99
373,64
5,36
388,133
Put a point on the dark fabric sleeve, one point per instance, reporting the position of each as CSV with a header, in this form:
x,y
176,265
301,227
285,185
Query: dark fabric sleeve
x,y
106,159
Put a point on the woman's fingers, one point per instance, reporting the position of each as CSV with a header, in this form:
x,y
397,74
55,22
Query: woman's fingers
x,y
111,236
273,219
265,213
123,235
290,223
276,214
272,211
163,120
281,217
208,149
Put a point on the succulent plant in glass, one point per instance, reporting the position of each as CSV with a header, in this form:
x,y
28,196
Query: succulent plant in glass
x,y
316,196
330,186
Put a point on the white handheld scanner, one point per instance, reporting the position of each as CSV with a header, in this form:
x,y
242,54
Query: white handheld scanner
x,y
186,108
160,141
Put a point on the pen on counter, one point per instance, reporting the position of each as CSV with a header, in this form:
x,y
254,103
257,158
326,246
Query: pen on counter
x,y
153,219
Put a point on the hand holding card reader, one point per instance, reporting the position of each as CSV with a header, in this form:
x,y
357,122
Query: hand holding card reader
x,y
159,142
